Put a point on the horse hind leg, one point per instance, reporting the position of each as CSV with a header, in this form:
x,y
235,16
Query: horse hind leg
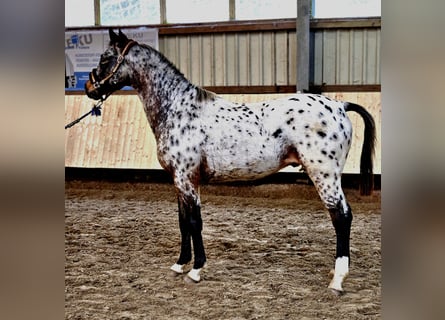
x,y
328,186
341,219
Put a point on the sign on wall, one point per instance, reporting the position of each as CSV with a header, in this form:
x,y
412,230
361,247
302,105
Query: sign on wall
x,y
83,50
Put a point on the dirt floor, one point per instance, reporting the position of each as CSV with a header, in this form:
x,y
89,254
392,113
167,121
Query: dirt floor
x,y
269,248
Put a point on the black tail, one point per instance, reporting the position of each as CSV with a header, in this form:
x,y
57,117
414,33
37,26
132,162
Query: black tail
x,y
366,160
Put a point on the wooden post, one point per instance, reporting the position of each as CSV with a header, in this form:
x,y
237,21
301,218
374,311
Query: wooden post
x,y
163,11
303,52
232,10
97,19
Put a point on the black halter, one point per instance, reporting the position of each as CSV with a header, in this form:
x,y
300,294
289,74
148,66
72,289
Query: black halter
x,y
93,74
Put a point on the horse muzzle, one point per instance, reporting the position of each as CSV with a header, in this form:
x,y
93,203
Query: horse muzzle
x,y
91,91
93,87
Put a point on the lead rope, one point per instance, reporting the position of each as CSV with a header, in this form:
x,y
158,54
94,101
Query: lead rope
x,y
95,111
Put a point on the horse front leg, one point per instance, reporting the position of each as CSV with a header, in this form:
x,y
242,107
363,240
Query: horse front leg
x,y
190,223
186,245
195,223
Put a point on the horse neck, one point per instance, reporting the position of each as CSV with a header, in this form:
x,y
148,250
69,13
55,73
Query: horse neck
x,y
160,86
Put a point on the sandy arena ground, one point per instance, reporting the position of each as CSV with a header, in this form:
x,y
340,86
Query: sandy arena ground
x,y
269,248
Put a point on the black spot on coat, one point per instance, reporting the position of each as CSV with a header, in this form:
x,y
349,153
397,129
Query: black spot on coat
x,y
277,133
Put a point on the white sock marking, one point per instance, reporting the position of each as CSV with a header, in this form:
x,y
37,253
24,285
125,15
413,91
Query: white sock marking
x,y
178,268
340,272
194,274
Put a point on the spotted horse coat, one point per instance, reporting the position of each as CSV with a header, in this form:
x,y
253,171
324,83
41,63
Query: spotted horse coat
x,y
202,137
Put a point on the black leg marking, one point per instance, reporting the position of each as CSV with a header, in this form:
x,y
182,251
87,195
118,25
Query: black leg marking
x,y
190,218
186,245
342,223
196,231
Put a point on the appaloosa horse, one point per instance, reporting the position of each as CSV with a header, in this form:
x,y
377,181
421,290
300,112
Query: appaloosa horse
x,y
202,137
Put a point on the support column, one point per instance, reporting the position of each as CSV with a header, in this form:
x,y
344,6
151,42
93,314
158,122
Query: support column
x,y
303,45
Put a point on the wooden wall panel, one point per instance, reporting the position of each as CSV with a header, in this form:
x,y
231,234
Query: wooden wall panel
x,y
347,56
255,59
281,59
196,65
219,59
207,75
341,57
372,62
268,49
357,66
329,57
121,137
291,58
232,60
244,59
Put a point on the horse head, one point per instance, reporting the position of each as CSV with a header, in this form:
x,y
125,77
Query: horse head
x,y
112,73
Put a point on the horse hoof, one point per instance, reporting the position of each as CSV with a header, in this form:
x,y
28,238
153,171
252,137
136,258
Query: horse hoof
x,y
174,274
177,268
194,275
337,293
189,280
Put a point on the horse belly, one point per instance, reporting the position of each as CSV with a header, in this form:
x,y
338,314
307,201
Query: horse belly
x,y
238,145
242,163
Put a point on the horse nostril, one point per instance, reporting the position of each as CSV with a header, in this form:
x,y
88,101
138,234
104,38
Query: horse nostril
x,y
91,92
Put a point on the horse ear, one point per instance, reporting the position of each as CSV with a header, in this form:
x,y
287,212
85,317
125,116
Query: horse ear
x,y
117,39
114,38
123,38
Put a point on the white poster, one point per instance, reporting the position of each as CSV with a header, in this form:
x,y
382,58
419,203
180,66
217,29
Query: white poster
x,y
83,49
